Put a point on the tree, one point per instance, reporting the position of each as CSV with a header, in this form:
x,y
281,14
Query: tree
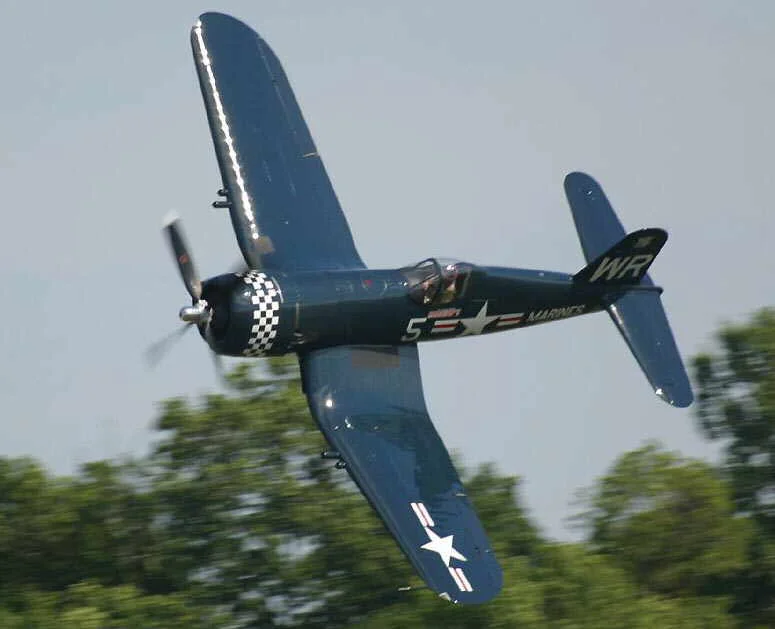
x,y
261,528
581,589
71,549
258,524
255,522
234,520
668,521
736,406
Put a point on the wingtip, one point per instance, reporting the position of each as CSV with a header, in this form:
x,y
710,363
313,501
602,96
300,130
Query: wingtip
x,y
169,218
679,399
578,179
215,17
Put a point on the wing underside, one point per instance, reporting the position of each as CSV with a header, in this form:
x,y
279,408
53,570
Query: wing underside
x,y
369,404
285,213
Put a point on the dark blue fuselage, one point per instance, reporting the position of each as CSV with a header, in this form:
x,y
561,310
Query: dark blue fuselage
x,y
375,307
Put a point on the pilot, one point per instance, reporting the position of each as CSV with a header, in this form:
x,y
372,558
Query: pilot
x,y
428,290
448,278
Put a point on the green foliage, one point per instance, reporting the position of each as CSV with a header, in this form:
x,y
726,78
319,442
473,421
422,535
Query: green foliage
x,y
564,586
668,521
263,527
586,590
234,520
736,405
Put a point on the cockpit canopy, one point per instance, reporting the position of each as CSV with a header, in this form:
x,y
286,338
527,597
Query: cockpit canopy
x,y
437,281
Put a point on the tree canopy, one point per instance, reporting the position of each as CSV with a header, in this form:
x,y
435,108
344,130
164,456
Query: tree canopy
x,y
234,520
736,408
668,521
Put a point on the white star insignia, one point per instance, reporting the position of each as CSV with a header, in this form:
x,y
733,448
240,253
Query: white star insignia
x,y
475,325
442,546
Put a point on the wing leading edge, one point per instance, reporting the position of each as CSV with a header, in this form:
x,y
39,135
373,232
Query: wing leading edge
x,y
368,402
283,208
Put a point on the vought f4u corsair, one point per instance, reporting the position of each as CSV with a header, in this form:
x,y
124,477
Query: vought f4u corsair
x,y
356,330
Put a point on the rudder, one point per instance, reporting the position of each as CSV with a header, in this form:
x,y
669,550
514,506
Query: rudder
x,y
596,222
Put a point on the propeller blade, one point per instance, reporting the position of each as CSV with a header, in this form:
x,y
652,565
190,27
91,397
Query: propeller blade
x,y
174,231
159,349
239,267
218,365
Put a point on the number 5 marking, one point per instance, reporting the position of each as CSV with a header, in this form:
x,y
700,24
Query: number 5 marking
x,y
412,332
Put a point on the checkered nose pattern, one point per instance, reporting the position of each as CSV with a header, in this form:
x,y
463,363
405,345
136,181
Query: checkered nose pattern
x,y
265,297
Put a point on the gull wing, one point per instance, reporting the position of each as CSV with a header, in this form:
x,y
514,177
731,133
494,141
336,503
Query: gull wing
x,y
283,208
368,402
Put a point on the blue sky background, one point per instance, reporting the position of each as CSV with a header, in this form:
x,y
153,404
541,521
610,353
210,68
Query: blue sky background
x,y
447,129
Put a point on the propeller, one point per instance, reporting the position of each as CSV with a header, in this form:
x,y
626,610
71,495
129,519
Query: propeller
x,y
159,349
174,231
199,312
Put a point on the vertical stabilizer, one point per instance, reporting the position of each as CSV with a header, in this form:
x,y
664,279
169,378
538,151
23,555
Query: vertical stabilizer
x,y
598,226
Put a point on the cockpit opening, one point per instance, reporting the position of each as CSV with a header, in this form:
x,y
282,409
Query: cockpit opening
x,y
434,282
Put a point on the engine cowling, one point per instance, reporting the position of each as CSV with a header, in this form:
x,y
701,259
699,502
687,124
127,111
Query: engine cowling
x,y
249,316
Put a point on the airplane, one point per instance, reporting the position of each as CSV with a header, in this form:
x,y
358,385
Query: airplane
x,y
305,289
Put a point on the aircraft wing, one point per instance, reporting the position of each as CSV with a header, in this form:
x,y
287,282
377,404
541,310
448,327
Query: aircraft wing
x,y
283,208
369,404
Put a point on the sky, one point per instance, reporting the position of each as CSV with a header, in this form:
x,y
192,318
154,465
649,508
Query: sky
x,y
447,129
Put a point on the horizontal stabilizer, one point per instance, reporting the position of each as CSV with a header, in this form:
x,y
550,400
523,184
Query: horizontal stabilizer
x,y
642,322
